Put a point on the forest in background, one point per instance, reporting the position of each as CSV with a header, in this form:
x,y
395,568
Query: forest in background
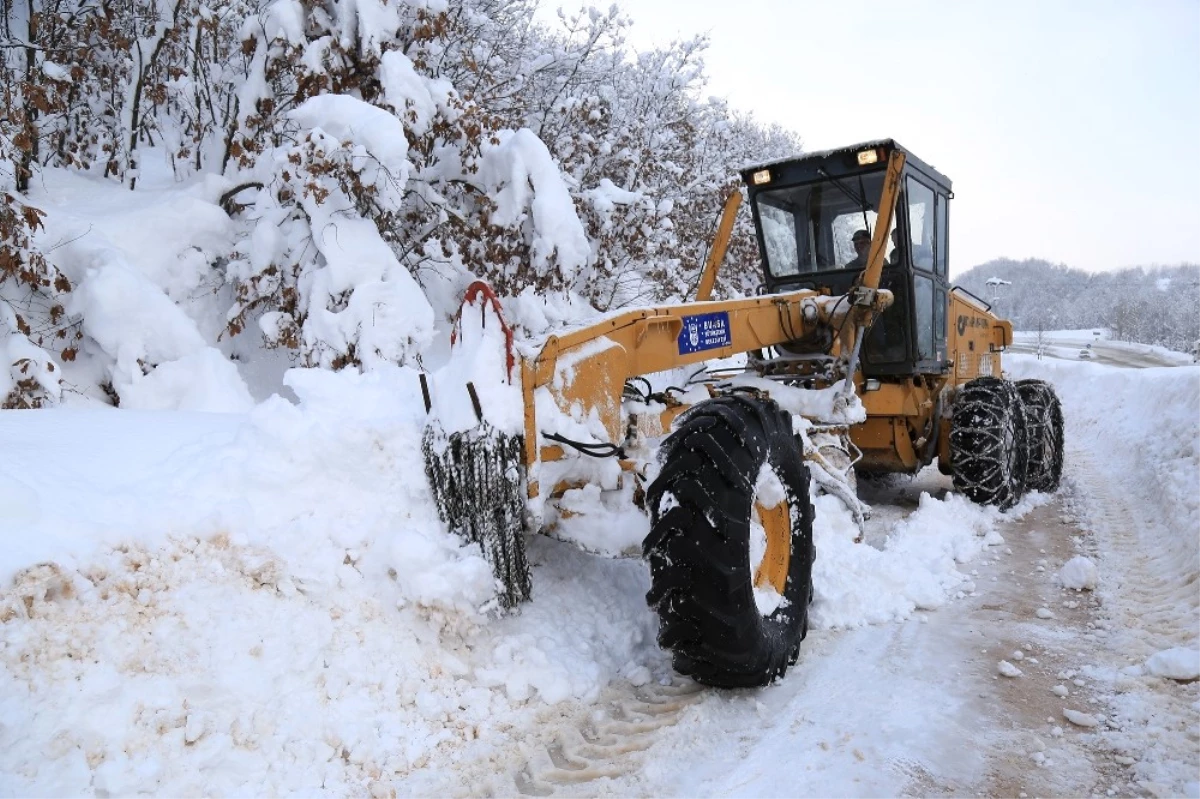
x,y
1149,305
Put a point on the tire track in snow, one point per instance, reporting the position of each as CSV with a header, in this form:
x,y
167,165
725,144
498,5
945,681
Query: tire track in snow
x,y
1155,601
1150,588
601,741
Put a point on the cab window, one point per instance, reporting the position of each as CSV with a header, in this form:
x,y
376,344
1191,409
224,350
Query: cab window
x,y
921,224
809,228
942,235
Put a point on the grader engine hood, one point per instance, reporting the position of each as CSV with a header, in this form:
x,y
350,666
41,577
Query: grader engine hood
x,y
977,337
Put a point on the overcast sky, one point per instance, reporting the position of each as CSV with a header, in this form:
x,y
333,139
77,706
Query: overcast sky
x,y
1070,128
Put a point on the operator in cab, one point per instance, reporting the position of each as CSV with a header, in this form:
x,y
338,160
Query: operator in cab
x,y
862,245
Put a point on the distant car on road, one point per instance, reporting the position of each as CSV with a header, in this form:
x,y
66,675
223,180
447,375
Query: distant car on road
x,y
1086,353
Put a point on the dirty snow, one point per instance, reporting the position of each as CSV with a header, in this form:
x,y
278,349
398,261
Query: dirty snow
x,y
1133,442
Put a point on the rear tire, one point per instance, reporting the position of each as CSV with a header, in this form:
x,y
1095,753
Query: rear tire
x,y
989,442
715,491
1043,413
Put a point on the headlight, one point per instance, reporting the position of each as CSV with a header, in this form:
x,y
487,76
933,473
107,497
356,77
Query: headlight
x,y
868,157
761,176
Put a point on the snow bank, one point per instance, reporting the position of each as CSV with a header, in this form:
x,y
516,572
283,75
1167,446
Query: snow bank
x,y
1144,426
334,474
267,603
917,568
1133,443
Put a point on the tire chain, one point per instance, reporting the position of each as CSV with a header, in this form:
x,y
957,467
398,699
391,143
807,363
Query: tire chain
x,y
988,413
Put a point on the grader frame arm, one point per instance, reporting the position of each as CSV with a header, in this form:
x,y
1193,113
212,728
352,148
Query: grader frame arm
x,y
589,367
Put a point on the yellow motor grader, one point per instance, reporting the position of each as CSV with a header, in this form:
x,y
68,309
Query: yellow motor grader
x,y
858,355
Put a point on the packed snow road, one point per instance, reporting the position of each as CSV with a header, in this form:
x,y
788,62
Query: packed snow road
x,y
266,604
1080,345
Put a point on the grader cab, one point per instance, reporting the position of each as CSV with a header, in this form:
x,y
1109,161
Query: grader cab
x,y
858,355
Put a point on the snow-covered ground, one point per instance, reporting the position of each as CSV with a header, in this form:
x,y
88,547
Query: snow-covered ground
x,y
265,603
1133,485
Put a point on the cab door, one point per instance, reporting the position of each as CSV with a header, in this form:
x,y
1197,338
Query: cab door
x,y
928,244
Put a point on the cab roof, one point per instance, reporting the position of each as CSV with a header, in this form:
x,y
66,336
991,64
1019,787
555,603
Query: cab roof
x,y
839,162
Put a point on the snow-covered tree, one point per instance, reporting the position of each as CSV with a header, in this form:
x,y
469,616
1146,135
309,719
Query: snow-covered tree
x,y
378,155
1151,305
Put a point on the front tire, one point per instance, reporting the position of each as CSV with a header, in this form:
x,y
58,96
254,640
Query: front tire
x,y
730,546
989,442
1043,412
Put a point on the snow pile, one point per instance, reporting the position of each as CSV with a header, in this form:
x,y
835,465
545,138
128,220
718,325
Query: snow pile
x,y
267,603
332,476
1078,573
1177,663
917,568
209,667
